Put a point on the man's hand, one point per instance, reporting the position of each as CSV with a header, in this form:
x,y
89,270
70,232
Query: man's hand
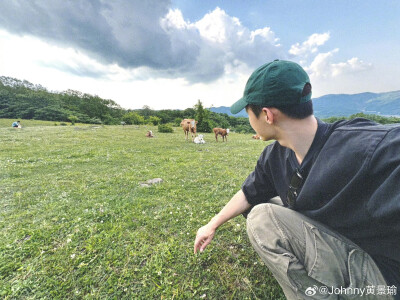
x,y
237,205
204,236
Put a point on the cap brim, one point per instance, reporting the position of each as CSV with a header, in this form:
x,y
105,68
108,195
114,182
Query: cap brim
x,y
238,106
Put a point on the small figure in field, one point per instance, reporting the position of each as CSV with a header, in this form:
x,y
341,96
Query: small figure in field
x,y
189,125
16,124
223,132
149,134
256,137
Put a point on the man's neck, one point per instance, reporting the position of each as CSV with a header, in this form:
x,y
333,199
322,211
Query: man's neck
x,y
298,135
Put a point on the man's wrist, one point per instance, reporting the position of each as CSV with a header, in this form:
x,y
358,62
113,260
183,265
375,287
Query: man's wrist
x,y
214,222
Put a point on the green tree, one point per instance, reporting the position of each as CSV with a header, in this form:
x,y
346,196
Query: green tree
x,y
154,120
189,113
177,122
133,118
146,111
202,118
219,120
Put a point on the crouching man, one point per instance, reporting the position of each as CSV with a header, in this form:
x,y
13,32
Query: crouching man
x,y
324,199
16,124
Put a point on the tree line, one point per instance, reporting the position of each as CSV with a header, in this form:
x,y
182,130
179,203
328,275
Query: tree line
x,y
372,117
24,100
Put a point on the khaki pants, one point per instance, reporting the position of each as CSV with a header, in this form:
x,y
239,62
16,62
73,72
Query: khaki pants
x,y
310,261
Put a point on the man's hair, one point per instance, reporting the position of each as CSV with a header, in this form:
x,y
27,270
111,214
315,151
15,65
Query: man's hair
x,y
298,111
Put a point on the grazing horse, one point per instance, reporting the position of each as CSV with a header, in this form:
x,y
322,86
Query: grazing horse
x,y
222,132
189,125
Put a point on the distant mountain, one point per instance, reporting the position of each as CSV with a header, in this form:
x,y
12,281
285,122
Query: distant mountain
x,y
226,110
386,104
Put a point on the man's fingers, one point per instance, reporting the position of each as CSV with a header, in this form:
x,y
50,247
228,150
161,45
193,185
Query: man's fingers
x,y
197,244
205,244
196,247
201,243
203,238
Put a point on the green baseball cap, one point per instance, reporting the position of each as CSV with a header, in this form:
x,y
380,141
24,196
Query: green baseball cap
x,y
275,84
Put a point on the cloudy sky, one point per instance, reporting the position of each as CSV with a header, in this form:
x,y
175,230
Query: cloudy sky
x,y
169,54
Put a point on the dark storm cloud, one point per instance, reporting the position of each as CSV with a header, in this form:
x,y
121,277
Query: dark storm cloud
x,y
134,33
72,23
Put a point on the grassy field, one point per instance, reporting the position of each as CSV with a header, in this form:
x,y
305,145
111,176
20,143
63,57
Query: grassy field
x,y
6,123
76,224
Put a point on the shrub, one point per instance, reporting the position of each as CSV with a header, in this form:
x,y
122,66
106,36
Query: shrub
x,y
73,119
165,128
243,129
133,118
177,122
154,120
95,121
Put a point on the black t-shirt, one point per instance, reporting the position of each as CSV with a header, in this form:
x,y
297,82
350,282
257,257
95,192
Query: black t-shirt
x,y
351,184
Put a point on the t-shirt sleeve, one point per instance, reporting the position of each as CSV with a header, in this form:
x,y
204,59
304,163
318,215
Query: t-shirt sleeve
x,y
258,187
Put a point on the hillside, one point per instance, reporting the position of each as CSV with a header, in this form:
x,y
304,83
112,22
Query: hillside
x,y
370,103
387,104
24,100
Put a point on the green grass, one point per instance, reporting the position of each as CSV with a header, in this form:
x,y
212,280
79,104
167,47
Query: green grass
x,y
75,222
6,123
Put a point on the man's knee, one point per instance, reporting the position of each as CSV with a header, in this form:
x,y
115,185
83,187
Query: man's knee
x,y
259,216
263,226
269,216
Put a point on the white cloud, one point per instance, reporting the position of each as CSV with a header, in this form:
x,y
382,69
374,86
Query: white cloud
x,y
349,77
322,66
174,19
310,45
219,42
218,27
353,65
57,69
265,33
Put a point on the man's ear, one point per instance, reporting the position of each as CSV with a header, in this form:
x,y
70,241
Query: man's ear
x,y
268,115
